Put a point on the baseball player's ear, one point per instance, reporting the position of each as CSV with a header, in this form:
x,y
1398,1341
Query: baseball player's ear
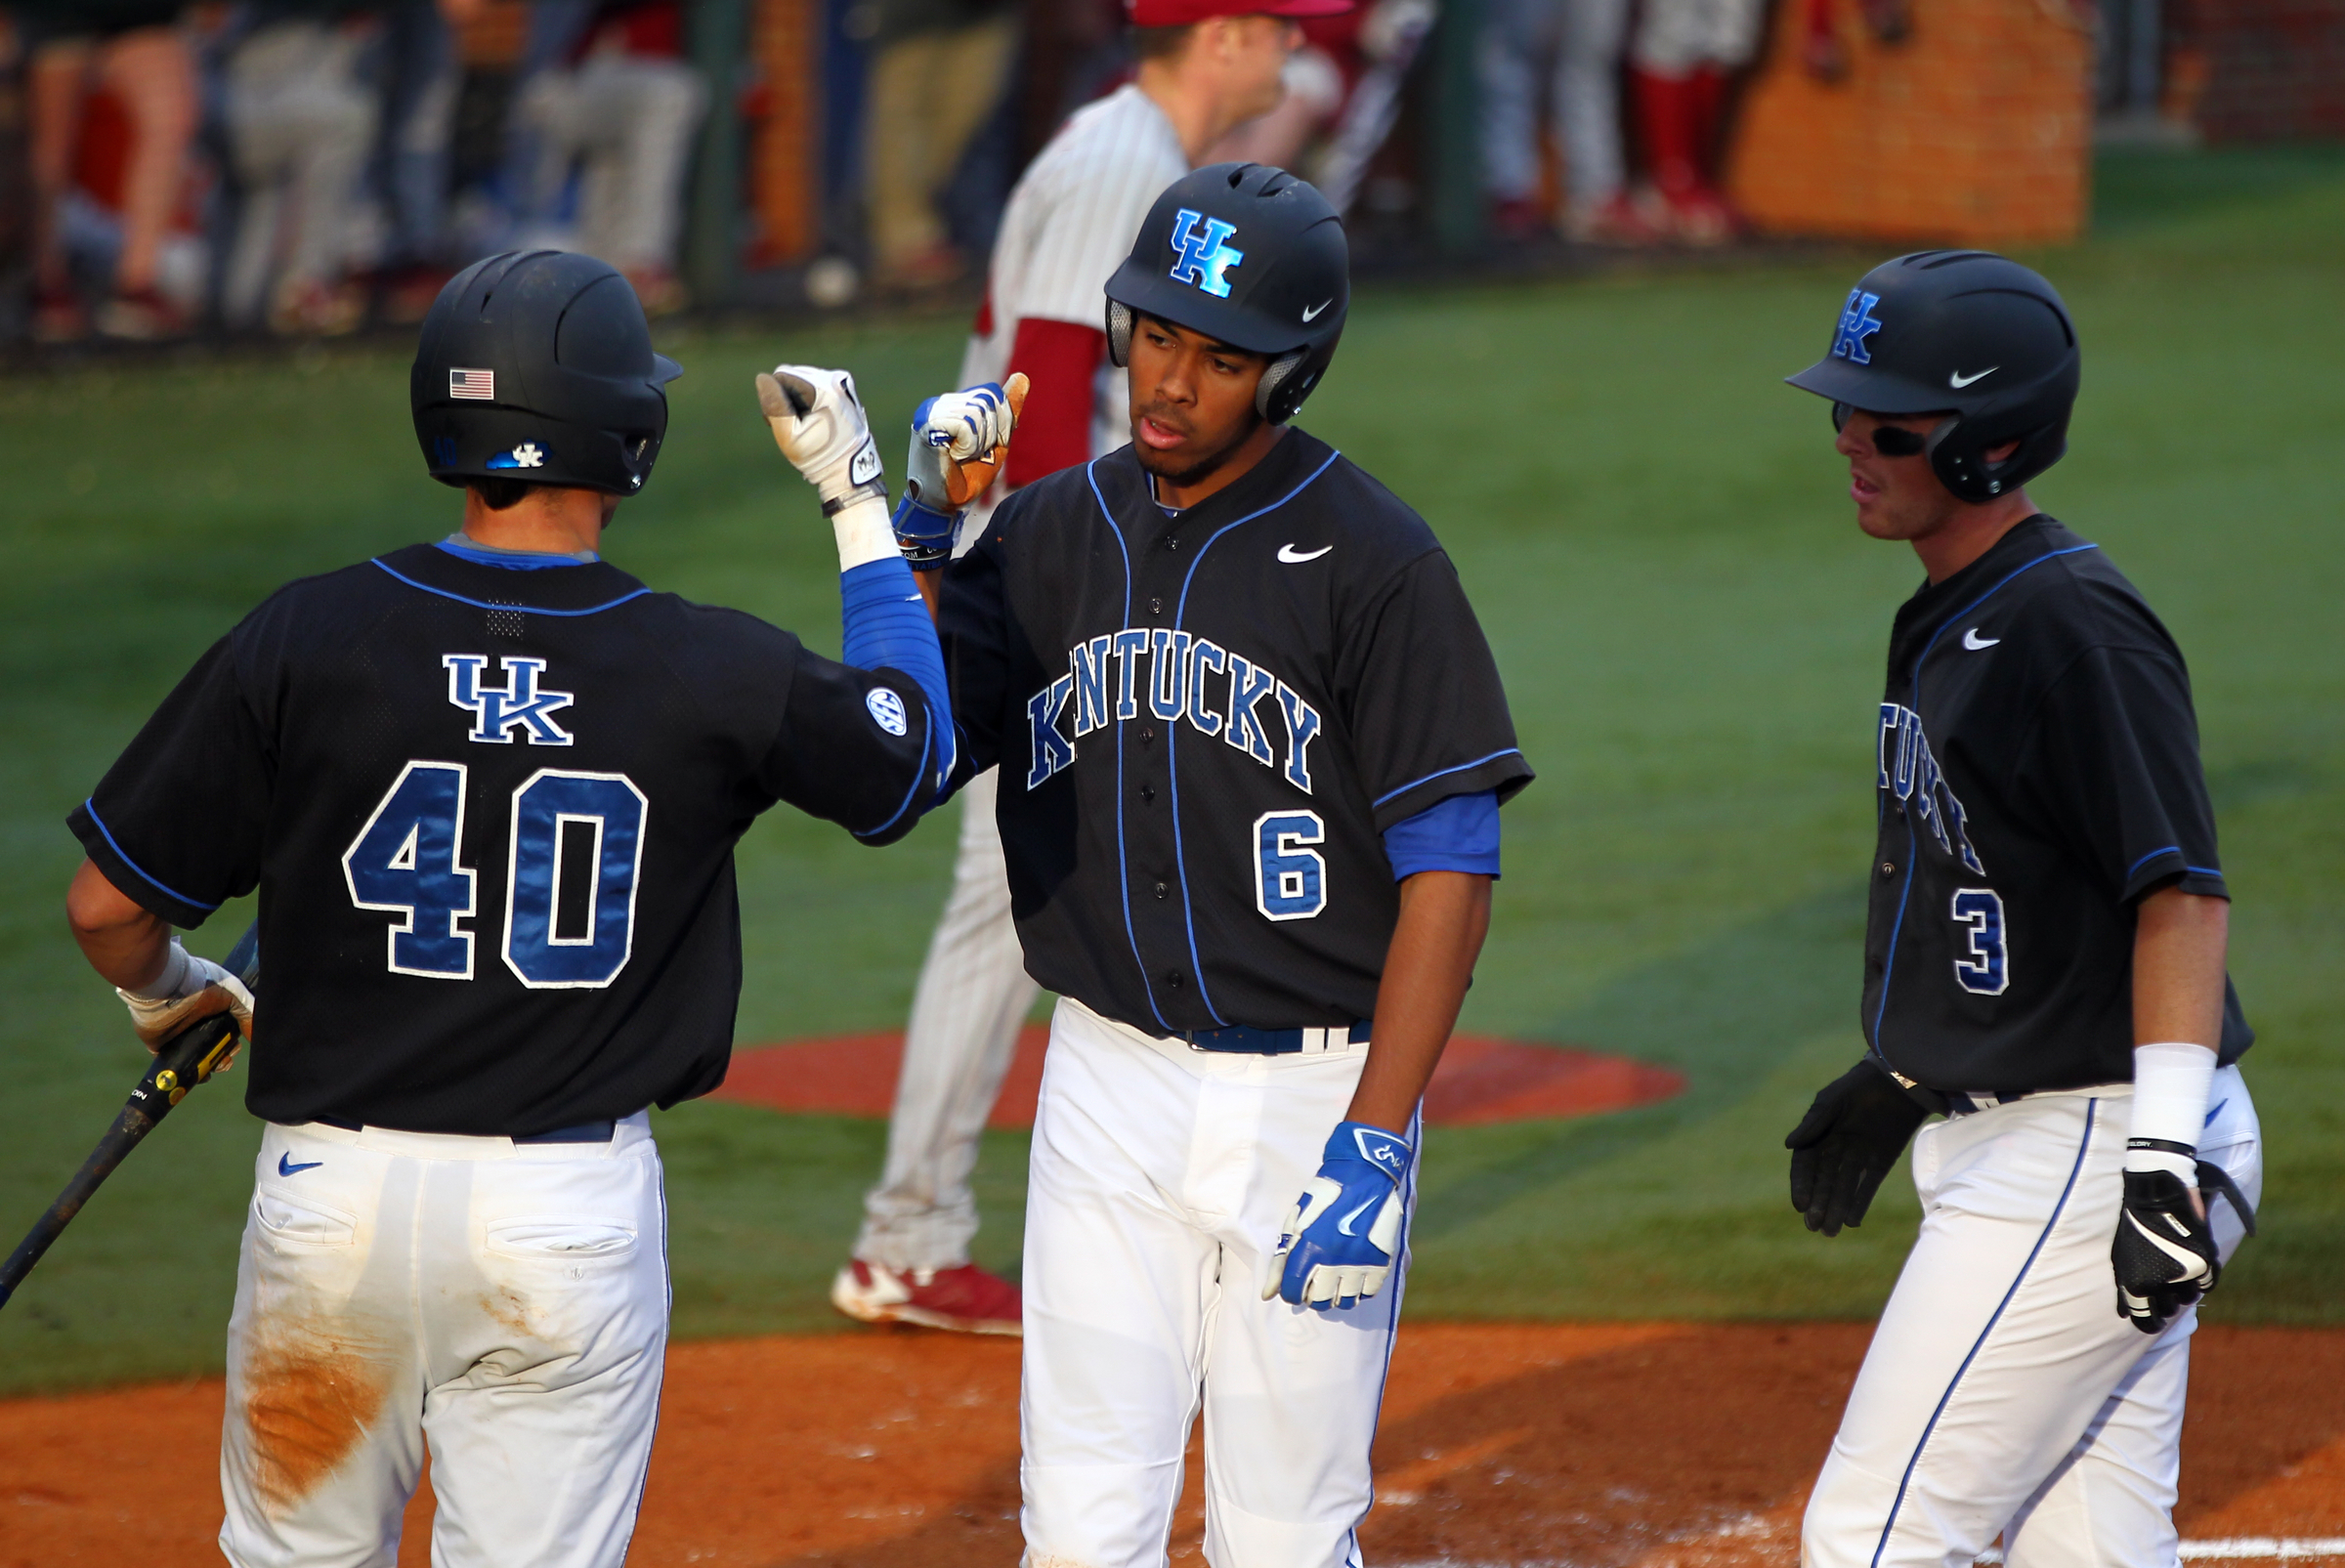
x,y
1016,389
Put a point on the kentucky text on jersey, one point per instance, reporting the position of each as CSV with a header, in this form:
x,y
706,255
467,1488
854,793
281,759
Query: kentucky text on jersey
x,y
1105,680
1910,773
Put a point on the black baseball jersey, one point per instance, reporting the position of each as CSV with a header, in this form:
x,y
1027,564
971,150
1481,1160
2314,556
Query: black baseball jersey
x,y
1204,722
492,816
2038,774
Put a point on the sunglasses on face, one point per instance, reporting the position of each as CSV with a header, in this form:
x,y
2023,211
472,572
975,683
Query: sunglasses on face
x,y
1890,441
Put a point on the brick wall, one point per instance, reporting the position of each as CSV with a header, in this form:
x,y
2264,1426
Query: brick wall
x,y
1975,130
2258,70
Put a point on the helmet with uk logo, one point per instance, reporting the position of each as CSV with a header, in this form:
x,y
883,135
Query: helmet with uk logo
x,y
1967,334
1250,256
538,365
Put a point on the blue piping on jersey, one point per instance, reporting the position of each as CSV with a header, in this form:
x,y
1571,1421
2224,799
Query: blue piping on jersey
x,y
526,609
1090,471
1510,751
1889,963
919,777
2092,1109
91,806
2170,849
1180,608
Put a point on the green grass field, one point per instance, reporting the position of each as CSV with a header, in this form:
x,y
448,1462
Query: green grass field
x,y
1691,630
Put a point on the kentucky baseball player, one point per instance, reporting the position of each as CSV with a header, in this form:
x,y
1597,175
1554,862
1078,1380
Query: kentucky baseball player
x,y
2044,965
489,790
1252,746
1205,65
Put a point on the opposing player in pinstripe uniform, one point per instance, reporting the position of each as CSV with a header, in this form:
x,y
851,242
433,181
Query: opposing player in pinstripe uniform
x,y
1206,65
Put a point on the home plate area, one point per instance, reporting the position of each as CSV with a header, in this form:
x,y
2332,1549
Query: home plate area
x,y
1647,1445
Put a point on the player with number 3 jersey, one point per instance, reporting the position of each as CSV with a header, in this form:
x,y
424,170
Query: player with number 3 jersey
x,y
488,790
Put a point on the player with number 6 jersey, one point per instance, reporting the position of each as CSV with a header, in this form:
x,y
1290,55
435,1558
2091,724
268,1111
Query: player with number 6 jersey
x,y
1252,748
489,790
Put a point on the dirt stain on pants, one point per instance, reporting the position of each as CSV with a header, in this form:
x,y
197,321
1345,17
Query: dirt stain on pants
x,y
311,1390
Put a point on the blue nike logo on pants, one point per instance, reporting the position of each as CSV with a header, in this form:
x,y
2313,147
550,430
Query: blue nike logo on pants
x,y
285,1166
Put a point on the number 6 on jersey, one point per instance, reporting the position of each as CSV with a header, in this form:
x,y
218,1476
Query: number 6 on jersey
x,y
1291,880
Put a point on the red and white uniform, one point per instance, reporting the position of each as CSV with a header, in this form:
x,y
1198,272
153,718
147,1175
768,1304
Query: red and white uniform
x,y
1069,225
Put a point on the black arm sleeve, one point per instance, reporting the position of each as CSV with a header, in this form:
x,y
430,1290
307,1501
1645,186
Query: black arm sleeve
x,y
2111,758
1422,695
853,748
177,823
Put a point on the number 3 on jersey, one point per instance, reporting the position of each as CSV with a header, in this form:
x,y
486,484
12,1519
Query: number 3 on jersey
x,y
1290,879
565,826
1986,970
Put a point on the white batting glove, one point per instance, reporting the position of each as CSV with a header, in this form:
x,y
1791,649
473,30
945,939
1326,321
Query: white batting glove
x,y
820,424
958,442
188,988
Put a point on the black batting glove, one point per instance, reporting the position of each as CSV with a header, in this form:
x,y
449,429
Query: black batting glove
x,y
1845,1145
2164,1250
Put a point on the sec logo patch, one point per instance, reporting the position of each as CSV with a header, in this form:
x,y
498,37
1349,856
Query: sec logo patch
x,y
888,709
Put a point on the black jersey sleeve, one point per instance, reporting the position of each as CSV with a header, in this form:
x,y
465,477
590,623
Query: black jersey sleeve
x,y
853,748
2111,758
1422,697
177,823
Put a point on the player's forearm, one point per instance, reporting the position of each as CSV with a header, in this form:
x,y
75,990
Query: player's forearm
x,y
2179,944
1443,917
123,942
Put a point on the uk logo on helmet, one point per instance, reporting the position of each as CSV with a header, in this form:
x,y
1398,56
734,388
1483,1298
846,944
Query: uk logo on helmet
x,y
1856,323
1204,257
529,454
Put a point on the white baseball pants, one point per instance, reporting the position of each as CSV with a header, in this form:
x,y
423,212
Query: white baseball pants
x,y
1160,1179
973,993
2003,1395
630,120
507,1303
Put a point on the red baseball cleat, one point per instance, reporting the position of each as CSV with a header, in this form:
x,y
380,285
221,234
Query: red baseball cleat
x,y
965,1300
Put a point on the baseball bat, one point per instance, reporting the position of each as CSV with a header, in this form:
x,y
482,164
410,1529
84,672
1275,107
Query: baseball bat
x,y
187,1058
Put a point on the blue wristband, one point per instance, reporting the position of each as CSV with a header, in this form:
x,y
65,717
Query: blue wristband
x,y
1388,1151
925,534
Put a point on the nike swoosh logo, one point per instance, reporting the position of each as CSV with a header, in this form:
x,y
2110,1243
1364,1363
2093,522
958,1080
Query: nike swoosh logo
x,y
1957,380
1295,558
2217,1111
285,1166
1974,641
1343,1225
2192,1266
1313,312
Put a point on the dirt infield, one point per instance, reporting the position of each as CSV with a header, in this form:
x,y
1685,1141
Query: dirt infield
x,y
1480,1080
1635,1445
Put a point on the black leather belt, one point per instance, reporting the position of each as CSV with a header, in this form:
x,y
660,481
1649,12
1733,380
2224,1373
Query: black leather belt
x,y
584,1132
1248,1039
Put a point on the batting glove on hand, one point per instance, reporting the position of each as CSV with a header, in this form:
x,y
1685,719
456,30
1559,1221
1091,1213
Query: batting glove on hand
x,y
2164,1252
1849,1137
821,427
1344,1236
188,988
959,443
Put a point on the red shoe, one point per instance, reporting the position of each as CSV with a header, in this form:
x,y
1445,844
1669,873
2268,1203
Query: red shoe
x,y
965,1300
57,316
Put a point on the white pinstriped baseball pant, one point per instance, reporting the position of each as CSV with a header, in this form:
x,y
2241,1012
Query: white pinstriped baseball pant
x,y
973,993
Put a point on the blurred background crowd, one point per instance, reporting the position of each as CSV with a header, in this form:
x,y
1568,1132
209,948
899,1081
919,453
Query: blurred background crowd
x,y
313,167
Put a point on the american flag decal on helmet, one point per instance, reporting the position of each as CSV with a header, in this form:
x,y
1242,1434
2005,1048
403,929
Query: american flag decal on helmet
x,y
477,385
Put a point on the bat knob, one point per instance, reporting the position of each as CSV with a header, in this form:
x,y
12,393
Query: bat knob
x,y
167,1081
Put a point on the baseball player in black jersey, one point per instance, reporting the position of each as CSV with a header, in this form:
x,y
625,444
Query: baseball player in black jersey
x,y
1252,746
488,790
2044,965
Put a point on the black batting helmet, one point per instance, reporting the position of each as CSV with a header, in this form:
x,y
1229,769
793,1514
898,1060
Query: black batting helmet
x,y
538,365
1251,256
1967,334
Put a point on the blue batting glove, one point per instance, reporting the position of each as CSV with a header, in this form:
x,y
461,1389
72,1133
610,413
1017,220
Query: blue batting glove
x,y
960,430
1342,1239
